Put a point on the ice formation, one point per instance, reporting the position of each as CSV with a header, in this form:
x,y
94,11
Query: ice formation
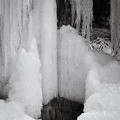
x,y
48,51
101,57
12,111
106,99
110,73
105,115
74,61
102,92
73,64
25,81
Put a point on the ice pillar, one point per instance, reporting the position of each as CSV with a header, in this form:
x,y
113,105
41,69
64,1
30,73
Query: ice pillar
x,y
49,50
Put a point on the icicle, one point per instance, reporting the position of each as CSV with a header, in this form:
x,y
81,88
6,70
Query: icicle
x,y
6,35
87,18
83,17
78,13
115,25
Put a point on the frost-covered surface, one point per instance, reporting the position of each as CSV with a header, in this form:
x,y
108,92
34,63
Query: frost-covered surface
x,y
48,51
12,111
25,82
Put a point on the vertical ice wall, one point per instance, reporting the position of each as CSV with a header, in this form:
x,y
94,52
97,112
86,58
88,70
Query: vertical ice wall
x,y
73,64
49,50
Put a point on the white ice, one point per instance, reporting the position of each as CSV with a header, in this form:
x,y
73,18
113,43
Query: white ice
x,y
25,82
48,50
12,111
102,92
94,115
109,73
74,61
72,64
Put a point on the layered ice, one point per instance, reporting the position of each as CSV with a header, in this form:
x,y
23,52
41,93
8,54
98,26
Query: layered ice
x,y
25,81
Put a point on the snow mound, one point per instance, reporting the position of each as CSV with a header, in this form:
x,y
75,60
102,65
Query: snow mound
x,y
25,82
94,115
12,111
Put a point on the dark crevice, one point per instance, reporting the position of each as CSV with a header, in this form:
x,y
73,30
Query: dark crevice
x,y
61,109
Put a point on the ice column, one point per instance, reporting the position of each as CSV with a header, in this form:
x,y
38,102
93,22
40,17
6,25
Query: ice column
x,y
49,50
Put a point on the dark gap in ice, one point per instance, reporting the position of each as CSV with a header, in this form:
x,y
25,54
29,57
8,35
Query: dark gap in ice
x,y
61,109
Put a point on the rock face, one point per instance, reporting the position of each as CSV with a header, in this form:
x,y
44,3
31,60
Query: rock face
x,y
62,109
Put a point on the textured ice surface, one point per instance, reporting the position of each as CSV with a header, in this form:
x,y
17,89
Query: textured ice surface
x,y
102,92
105,115
108,98
12,111
110,73
25,82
